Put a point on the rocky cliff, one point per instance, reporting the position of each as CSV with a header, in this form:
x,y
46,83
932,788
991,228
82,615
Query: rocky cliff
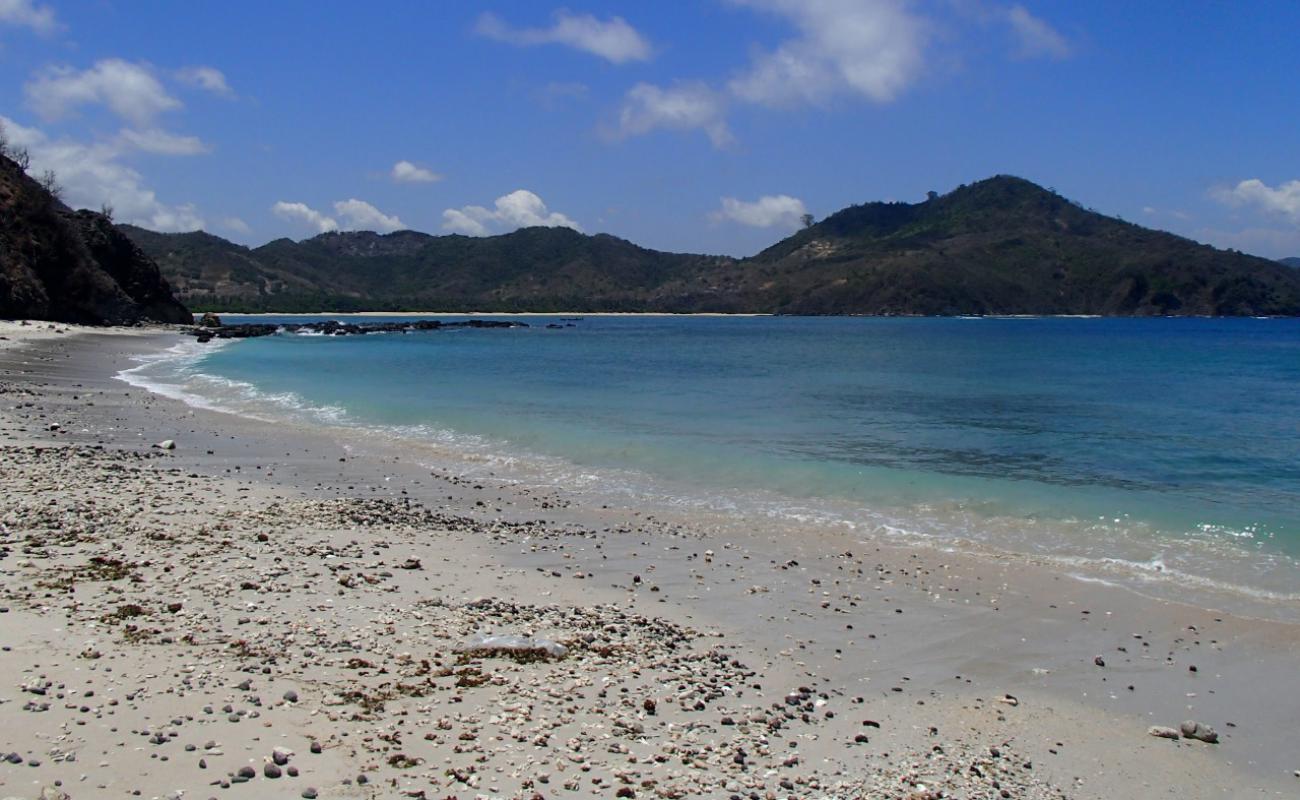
x,y
72,266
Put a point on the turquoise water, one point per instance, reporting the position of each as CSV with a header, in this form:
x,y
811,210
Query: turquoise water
x,y
1140,448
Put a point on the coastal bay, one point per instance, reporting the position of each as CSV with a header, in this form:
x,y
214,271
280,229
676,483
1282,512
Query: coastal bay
x,y
149,589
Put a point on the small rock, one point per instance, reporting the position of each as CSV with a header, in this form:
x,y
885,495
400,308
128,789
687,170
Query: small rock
x,y
1163,732
1196,730
166,444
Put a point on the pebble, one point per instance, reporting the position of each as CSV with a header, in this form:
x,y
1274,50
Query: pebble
x,y
1200,731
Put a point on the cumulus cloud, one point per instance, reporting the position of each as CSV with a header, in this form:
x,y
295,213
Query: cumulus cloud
x,y
355,215
768,211
93,175
301,212
360,215
1037,38
26,14
406,172
209,79
129,90
1284,199
613,39
161,142
685,106
873,48
519,209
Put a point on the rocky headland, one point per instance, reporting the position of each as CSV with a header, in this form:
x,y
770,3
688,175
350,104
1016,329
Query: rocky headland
x,y
72,266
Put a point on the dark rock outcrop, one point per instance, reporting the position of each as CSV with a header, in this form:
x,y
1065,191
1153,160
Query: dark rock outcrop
x,y
332,327
72,266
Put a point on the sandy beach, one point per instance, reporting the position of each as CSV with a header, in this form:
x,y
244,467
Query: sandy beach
x,y
263,610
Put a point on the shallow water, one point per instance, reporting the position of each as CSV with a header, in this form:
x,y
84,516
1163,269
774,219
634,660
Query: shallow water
x,y
1133,450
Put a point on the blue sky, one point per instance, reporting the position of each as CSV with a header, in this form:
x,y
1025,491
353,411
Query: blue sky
x,y
707,126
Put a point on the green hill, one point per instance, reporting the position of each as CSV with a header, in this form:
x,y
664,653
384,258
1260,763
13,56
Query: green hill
x,y
999,246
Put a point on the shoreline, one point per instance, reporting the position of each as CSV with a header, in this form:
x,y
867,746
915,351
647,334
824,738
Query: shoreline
x,y
1151,568
484,314
917,619
737,314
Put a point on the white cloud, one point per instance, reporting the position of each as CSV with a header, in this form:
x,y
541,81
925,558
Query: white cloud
x,y
519,209
129,90
360,215
1037,38
613,40
686,106
301,212
768,211
873,48
236,224
1283,200
355,214
163,143
91,176
209,79
26,14
406,172
1152,211
1265,242
554,94
466,220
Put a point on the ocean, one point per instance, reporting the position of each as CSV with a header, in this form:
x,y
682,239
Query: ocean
x,y
1160,454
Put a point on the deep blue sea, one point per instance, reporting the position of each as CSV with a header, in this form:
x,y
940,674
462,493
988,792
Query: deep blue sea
x,y
1134,450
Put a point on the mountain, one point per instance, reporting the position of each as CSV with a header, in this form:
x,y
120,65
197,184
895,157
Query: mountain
x,y
1290,262
532,269
72,266
999,246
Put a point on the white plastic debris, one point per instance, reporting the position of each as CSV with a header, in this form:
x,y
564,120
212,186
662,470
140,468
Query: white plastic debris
x,y
514,646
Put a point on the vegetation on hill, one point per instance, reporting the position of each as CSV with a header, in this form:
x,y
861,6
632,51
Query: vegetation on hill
x,y
999,246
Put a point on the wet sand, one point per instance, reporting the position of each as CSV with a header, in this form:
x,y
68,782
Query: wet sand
x,y
172,616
